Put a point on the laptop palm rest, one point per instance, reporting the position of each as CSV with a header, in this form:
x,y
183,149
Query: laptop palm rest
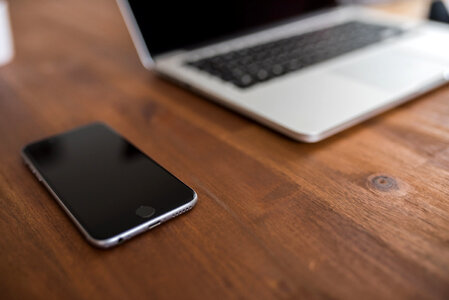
x,y
392,70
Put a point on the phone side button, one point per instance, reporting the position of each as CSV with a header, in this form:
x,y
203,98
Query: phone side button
x,y
37,176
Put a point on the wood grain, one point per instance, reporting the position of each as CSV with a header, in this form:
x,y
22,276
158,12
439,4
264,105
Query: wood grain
x,y
362,215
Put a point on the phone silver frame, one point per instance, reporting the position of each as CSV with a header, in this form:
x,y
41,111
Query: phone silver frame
x,y
121,237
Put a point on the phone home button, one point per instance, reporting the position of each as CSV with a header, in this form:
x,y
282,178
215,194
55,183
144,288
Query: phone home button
x,y
145,211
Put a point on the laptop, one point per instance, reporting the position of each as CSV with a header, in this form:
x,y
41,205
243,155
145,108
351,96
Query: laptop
x,y
305,68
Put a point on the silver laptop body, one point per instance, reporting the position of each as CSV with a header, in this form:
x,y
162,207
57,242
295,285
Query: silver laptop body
x,y
317,101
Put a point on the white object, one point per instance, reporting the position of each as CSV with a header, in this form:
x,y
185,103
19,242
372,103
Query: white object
x,y
6,44
319,101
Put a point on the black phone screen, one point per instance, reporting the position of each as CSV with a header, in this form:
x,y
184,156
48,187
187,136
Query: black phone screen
x,y
103,179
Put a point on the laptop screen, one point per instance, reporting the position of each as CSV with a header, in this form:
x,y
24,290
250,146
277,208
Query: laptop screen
x,y
168,25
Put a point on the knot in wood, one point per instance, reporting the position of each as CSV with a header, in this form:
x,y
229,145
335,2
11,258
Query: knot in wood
x,y
383,183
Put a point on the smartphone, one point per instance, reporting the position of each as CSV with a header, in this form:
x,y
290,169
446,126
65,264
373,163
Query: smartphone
x,y
109,188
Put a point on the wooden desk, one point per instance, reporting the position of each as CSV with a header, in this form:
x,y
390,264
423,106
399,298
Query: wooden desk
x,y
362,215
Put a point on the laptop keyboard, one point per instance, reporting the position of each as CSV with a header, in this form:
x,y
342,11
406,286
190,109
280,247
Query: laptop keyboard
x,y
249,66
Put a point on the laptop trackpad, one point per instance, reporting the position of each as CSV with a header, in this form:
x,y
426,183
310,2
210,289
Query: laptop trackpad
x,y
392,70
